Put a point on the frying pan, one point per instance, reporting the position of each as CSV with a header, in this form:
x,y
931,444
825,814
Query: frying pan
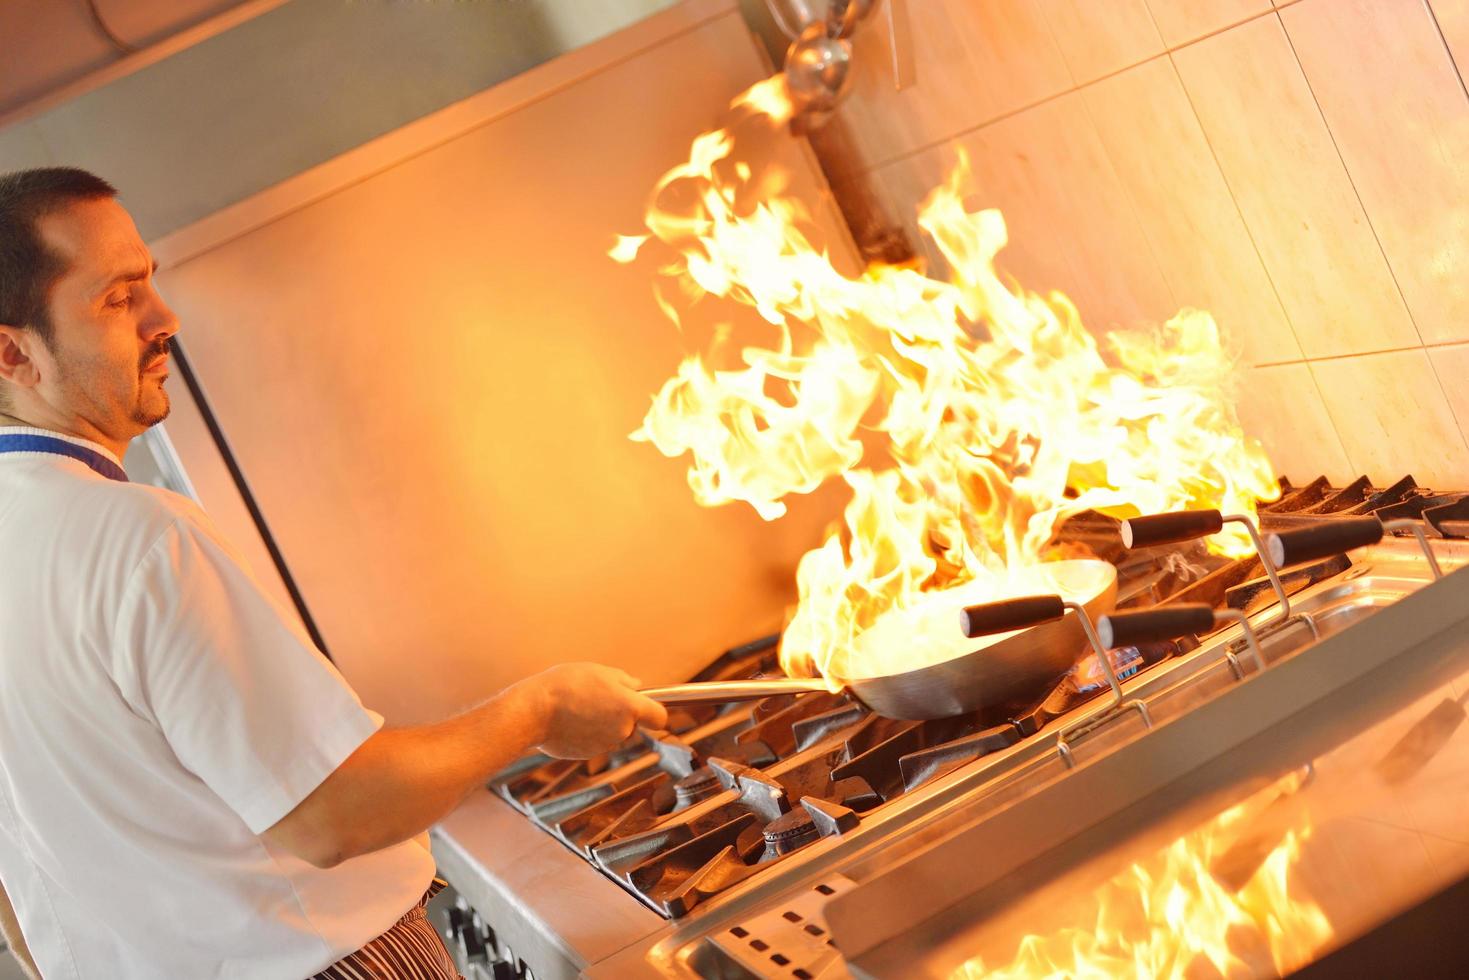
x,y
1014,648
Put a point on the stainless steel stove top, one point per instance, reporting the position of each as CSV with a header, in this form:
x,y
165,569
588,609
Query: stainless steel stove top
x,y
804,837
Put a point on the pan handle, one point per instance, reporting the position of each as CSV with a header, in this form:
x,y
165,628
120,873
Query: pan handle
x,y
707,692
1170,528
1010,614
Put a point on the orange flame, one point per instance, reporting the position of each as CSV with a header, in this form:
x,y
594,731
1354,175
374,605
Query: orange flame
x,y
1002,414
1161,922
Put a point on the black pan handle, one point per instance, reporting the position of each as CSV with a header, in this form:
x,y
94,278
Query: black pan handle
x,y
1010,614
1126,629
1180,525
1303,544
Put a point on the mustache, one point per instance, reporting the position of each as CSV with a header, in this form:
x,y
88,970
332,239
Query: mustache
x,y
154,351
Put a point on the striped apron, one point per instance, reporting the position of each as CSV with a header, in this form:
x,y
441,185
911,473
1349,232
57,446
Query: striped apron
x,y
411,950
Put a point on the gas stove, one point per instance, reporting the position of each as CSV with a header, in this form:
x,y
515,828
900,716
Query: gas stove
x,y
754,838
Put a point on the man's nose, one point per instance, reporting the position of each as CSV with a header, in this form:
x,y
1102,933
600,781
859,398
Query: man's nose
x,y
161,323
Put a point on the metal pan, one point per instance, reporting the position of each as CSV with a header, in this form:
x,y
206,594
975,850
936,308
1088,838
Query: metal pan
x,y
1015,648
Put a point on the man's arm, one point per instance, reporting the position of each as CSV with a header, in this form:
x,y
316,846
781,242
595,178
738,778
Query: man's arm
x,y
401,781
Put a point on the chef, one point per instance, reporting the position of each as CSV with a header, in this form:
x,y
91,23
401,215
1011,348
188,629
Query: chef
x,y
190,790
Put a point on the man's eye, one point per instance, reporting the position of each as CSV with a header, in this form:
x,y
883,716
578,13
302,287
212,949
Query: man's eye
x,y
120,301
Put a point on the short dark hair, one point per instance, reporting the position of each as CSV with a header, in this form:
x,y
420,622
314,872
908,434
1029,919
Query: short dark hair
x,y
28,269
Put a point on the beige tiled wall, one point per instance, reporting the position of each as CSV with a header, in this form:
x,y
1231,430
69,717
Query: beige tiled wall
x,y
1300,168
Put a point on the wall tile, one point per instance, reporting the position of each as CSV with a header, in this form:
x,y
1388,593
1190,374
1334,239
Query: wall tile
x,y
1453,21
1298,203
1399,115
1441,812
1350,761
975,62
1181,21
1390,861
1434,801
1072,227
1100,38
1281,406
1447,855
1452,364
1393,418
1192,223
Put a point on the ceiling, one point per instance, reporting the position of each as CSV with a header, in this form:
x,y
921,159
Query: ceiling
x,y
50,47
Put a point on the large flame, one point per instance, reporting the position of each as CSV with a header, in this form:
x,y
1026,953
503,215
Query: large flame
x,y
1001,413
1167,916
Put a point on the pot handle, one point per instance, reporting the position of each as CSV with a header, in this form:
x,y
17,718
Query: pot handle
x,y
1170,528
708,692
1126,629
1304,544
1010,614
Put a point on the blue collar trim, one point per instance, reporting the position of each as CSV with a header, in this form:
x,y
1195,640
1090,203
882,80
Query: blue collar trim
x,y
25,442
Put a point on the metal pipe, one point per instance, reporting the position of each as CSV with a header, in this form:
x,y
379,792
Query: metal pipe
x,y
1251,640
1416,529
1119,701
1268,565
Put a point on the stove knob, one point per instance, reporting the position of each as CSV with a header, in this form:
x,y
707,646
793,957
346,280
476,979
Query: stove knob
x,y
455,928
473,944
461,934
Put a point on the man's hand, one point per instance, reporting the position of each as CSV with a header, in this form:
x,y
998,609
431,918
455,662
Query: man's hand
x,y
588,709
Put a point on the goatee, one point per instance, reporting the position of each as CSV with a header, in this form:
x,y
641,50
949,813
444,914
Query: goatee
x,y
143,416
147,419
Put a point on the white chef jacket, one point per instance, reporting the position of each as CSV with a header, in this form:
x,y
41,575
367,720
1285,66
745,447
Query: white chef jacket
x,y
157,712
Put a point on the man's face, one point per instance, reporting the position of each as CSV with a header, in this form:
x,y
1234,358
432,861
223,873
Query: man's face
x,y
108,354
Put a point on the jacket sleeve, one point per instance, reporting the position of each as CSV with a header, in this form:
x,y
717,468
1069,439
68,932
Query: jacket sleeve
x,y
245,701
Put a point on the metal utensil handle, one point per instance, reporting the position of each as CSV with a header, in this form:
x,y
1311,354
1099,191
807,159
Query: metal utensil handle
x,y
1170,528
706,692
1304,544
1010,614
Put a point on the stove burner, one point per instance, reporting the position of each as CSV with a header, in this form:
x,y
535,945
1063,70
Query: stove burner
x,y
790,832
699,785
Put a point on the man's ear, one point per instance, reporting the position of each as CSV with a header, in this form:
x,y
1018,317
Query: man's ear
x,y
16,364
